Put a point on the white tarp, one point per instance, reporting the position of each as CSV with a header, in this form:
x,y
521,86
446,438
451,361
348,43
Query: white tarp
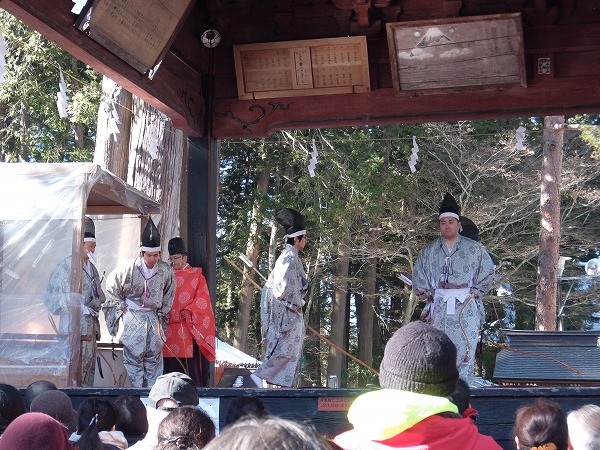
x,y
231,355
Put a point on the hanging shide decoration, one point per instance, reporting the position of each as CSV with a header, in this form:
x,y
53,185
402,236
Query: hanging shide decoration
x,y
2,58
153,147
113,121
414,156
61,97
520,136
313,160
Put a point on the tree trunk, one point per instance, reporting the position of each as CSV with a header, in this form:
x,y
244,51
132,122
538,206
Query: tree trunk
x,y
410,300
25,119
112,152
547,275
366,320
158,178
312,343
3,145
240,340
335,361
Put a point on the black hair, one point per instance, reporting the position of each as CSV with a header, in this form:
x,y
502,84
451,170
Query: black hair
x,y
461,396
35,389
245,406
132,419
95,414
11,405
290,240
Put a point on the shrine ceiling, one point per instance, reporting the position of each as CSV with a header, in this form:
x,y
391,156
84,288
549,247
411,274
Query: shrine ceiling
x,y
358,62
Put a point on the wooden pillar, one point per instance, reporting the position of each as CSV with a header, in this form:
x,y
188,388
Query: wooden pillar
x,y
202,206
201,199
112,152
547,275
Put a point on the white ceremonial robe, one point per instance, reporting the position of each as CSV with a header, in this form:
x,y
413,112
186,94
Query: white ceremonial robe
x,y
282,319
145,319
455,281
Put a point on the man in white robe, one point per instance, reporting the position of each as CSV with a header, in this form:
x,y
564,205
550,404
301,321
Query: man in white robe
x,y
452,274
142,294
281,307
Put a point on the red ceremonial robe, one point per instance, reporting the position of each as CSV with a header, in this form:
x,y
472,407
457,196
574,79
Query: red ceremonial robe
x,y
191,319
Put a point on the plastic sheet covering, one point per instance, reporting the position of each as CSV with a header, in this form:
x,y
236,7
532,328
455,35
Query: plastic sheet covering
x,y
41,212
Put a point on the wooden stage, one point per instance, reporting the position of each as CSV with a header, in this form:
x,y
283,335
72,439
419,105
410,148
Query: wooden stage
x,y
326,408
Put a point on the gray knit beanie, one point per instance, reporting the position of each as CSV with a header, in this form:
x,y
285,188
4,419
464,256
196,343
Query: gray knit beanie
x,y
419,358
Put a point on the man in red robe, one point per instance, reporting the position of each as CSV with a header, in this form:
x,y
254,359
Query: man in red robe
x,y
190,336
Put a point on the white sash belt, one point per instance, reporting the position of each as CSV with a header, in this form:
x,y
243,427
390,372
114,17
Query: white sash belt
x,y
449,295
133,306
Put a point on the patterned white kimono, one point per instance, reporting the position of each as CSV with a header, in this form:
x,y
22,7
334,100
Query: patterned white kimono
x,y
146,303
282,319
92,299
455,281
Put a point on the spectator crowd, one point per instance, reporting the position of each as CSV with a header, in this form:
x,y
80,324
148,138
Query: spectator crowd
x,y
422,404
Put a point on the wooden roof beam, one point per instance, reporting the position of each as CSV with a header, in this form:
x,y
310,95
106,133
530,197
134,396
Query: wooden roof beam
x,y
175,89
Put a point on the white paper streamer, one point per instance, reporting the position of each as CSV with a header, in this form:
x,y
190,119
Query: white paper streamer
x,y
414,156
313,160
520,136
113,121
61,97
153,148
2,58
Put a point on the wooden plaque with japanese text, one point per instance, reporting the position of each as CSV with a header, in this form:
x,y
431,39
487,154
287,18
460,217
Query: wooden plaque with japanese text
x,y
300,68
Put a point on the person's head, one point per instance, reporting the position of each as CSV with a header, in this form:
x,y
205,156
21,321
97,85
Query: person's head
x,y
95,414
541,423
298,242
35,431
245,406
173,390
266,434
35,389
132,419
101,410
11,405
58,405
89,238
177,253
584,428
150,258
449,228
419,358
449,217
88,247
293,222
185,428
461,396
150,245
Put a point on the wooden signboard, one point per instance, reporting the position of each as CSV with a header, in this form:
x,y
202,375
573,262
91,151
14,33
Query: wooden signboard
x,y
299,68
456,53
139,32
